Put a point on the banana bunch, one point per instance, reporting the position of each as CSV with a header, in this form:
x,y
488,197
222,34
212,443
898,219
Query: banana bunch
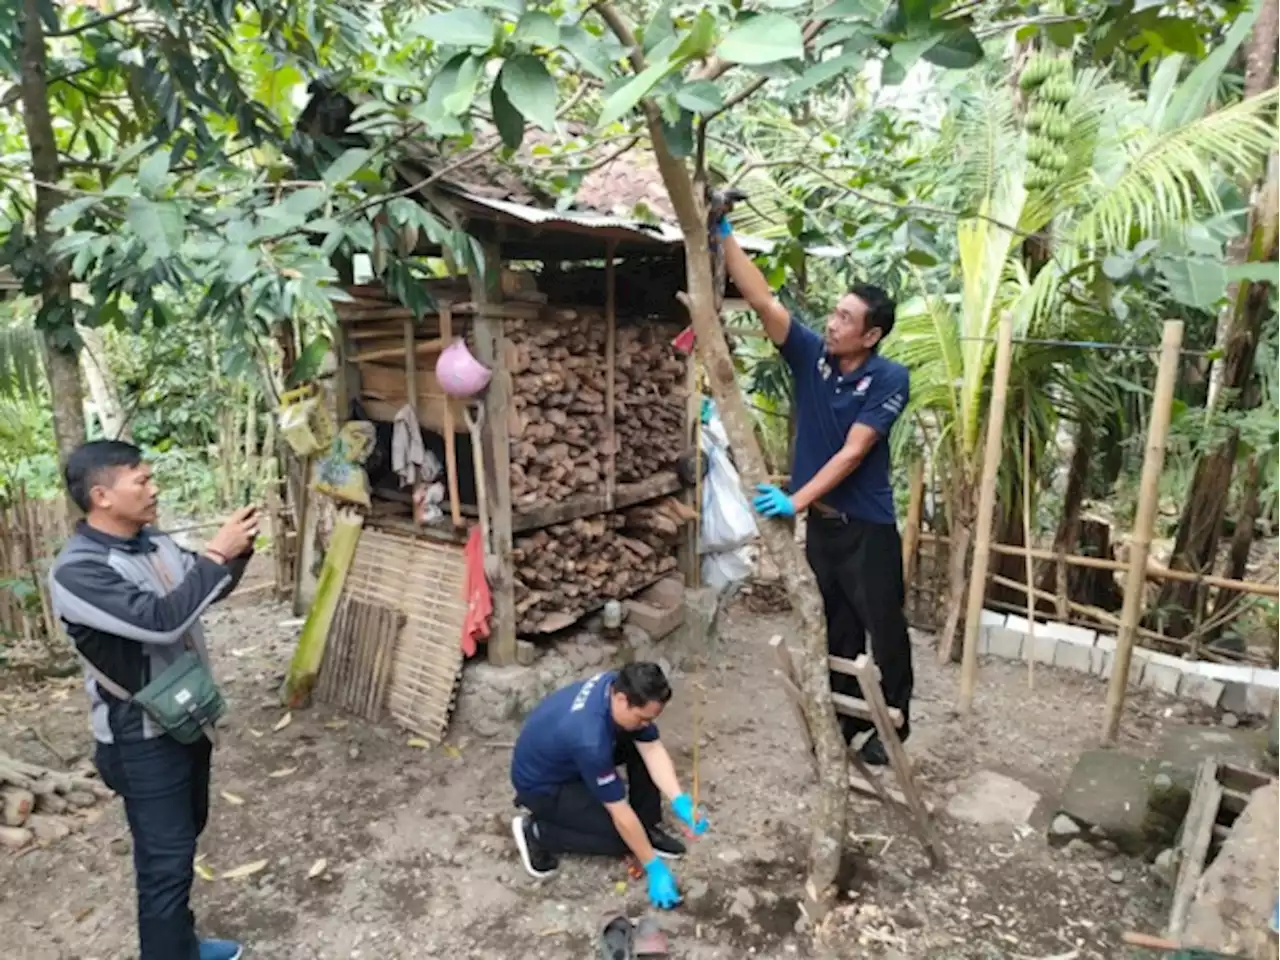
x,y
1048,83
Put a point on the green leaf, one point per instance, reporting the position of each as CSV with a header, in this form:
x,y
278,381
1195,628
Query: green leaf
x,y
846,9
701,96
659,29
701,38
458,102
907,52
892,72
153,171
1117,267
955,50
820,73
1063,35
766,38
855,37
624,99
537,29
66,215
1252,272
460,27
242,263
347,165
1193,94
531,89
506,118
679,135
308,363
588,49
1195,283
159,225
302,202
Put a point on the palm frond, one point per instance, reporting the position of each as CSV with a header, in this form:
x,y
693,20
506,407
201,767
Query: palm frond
x,y
1168,177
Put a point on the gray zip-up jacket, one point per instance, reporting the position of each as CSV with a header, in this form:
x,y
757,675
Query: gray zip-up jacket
x,y
131,607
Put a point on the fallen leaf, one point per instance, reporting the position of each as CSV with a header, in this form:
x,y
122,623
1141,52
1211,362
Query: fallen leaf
x,y
453,751
282,772
82,915
283,722
336,725
418,742
232,799
247,870
317,868
256,733
203,872
620,887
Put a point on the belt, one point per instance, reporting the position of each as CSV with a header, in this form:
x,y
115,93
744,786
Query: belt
x,y
828,513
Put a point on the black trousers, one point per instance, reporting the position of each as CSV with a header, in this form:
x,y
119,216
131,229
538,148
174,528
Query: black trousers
x,y
165,788
572,820
858,567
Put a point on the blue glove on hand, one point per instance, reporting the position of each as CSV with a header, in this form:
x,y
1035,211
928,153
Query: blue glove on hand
x,y
682,807
772,502
662,885
724,228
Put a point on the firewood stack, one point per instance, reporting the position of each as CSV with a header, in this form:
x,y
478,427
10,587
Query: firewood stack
x,y
557,427
41,805
651,389
563,572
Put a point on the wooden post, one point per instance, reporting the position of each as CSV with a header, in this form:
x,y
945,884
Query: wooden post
x,y
611,362
1026,542
986,508
490,339
690,562
410,365
1143,521
911,533
450,438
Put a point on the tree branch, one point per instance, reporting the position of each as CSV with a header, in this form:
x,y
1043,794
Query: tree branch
x,y
97,21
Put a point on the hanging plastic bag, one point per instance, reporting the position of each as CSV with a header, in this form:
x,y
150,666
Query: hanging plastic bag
x,y
723,571
727,521
339,473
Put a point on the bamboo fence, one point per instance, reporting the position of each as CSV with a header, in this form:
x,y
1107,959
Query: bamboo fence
x,y
31,531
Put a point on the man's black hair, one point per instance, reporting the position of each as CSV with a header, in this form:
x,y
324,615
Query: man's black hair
x,y
91,464
642,683
881,310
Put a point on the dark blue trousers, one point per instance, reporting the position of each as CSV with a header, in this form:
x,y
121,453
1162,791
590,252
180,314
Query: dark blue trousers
x,y
165,788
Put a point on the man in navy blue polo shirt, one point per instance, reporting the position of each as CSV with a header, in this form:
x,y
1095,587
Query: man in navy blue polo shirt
x,y
847,400
564,770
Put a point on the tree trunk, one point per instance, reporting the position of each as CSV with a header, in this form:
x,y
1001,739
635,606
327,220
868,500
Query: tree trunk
x,y
102,388
57,309
1200,525
830,749
1055,578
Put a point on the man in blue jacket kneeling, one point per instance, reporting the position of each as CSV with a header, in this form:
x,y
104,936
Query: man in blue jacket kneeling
x,y
565,773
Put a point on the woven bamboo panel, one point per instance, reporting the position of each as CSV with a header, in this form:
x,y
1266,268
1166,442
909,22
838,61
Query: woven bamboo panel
x,y
424,581
358,657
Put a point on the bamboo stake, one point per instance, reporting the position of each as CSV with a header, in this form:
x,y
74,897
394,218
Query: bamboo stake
x,y
610,364
1140,543
1026,539
410,365
915,510
451,441
986,508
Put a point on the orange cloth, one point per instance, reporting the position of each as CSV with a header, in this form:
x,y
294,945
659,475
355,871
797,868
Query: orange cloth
x,y
479,599
684,342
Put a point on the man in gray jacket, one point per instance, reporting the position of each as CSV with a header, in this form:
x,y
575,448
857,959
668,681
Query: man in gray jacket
x,y
130,599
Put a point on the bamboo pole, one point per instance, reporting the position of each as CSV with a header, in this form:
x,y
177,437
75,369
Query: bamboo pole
x,y
1140,543
986,508
610,363
451,441
410,365
911,532
1026,539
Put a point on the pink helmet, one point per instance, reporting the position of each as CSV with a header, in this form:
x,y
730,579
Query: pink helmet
x,y
460,374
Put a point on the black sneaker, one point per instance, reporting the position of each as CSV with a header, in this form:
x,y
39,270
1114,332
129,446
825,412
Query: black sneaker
x,y
538,861
665,845
873,753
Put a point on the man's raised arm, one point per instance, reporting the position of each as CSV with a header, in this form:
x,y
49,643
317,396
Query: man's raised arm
x,y
755,288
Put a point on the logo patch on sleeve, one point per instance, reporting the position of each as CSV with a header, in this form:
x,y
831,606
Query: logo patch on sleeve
x,y
606,778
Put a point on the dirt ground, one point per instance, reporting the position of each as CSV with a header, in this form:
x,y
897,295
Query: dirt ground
x,y
419,860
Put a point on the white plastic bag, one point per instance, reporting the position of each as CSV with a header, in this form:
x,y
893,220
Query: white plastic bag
x,y
721,571
727,521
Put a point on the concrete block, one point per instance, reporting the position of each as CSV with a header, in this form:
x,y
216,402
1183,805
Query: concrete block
x,y
1099,661
1165,660
1200,689
656,621
1162,677
1226,672
984,640
991,618
1266,678
1039,648
1137,665
526,653
1005,643
1073,656
1080,636
1260,700
1235,696
1016,623
1106,641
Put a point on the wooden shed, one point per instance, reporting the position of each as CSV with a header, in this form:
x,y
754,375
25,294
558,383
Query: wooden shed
x,y
590,406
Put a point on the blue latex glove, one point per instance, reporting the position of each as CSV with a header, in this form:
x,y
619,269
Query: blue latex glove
x,y
682,807
770,501
662,885
724,227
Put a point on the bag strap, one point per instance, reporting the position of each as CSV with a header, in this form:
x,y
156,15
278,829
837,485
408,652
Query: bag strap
x,y
113,688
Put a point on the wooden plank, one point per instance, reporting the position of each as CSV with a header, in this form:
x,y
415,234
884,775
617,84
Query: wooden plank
x,y
854,707
869,681
1193,846
450,440
410,366
589,504
787,675
1143,524
391,353
486,292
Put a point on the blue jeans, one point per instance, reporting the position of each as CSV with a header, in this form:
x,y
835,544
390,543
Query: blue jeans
x,y
165,788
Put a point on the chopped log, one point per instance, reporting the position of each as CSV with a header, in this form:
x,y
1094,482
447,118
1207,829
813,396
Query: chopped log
x,y
47,828
16,805
15,838
51,803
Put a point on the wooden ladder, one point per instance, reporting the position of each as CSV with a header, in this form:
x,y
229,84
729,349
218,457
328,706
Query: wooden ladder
x,y
887,720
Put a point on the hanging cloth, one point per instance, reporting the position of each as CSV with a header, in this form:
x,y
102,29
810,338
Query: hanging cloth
x,y
475,626
408,455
